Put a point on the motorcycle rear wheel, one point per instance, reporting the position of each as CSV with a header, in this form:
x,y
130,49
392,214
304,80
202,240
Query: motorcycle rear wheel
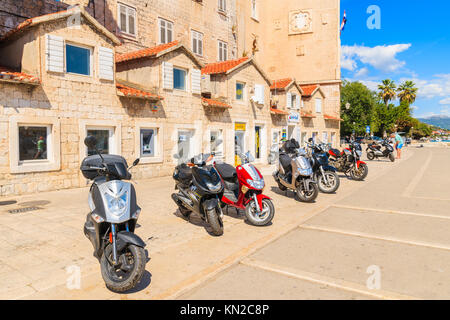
x,y
116,278
391,157
268,211
370,155
305,196
333,182
215,222
277,179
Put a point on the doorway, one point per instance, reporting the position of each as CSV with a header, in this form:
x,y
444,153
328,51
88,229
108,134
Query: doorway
x,y
239,142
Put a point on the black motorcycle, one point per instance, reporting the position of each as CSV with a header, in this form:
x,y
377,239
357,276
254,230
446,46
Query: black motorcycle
x,y
373,151
348,161
200,190
325,175
110,224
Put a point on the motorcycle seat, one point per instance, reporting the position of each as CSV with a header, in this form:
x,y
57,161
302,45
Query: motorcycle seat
x,y
226,171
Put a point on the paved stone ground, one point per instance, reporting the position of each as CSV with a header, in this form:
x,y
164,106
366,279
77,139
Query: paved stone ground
x,y
319,250
397,223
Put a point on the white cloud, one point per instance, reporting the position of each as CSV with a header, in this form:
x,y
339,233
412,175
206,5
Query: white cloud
x,y
361,73
445,101
380,57
439,86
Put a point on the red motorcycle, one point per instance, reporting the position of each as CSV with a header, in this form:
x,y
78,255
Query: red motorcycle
x,y
348,161
243,190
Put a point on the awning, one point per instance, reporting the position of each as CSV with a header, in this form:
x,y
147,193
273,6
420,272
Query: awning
x,y
129,92
307,115
328,117
278,112
215,103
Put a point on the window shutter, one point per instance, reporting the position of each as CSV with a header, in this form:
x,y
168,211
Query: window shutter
x,y
167,71
196,78
288,100
259,93
106,63
55,53
297,102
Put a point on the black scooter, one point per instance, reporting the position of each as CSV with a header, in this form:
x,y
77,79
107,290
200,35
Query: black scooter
x,y
110,224
200,190
325,175
373,151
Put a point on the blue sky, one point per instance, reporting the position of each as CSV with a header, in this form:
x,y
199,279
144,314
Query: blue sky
x,y
413,43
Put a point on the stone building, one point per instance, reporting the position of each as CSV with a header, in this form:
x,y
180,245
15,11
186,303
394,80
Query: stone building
x,y
160,80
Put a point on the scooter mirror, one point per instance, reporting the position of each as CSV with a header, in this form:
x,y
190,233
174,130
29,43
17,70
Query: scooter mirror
x,y
90,142
136,162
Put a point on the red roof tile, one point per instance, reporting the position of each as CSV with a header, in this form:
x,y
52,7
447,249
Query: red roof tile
x,y
145,53
329,117
136,93
215,103
9,75
223,66
59,15
308,90
277,111
281,84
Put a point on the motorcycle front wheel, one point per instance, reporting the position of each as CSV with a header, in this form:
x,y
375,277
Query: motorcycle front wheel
x,y
303,194
128,273
215,222
333,182
360,173
260,218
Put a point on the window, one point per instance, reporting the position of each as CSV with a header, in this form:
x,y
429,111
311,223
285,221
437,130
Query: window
x,y
127,19
185,145
165,31
78,60
179,79
325,137
223,51
318,105
197,42
148,143
216,143
293,101
33,142
254,9
104,141
240,91
222,5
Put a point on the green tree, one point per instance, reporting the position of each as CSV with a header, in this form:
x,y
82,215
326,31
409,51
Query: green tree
x,y
407,92
387,91
362,112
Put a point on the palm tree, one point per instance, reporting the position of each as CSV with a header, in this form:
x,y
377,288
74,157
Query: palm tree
x,y
387,91
407,92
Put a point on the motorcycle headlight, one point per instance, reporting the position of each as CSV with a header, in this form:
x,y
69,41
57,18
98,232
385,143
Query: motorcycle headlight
x,y
257,184
116,199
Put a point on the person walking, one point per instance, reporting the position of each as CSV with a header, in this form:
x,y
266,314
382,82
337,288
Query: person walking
x,y
398,140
